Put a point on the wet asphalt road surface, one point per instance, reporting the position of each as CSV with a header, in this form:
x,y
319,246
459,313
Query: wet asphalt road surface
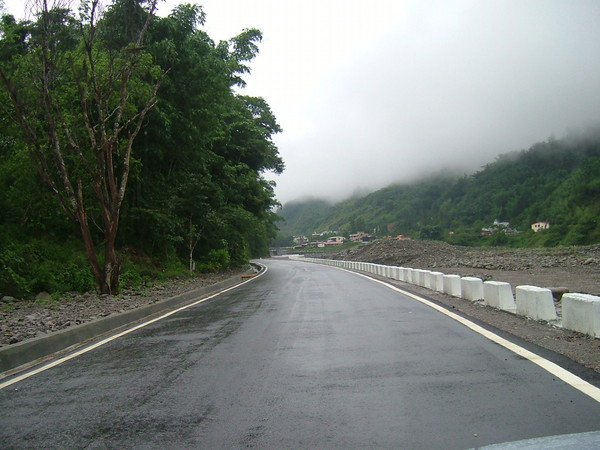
x,y
305,356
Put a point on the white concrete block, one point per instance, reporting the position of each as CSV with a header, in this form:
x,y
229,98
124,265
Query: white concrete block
x,y
535,302
452,285
581,312
471,288
422,277
417,276
427,281
403,274
437,281
389,270
499,295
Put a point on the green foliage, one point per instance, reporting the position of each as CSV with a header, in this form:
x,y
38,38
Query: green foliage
x,y
196,164
216,260
431,233
42,265
556,181
304,217
173,268
282,240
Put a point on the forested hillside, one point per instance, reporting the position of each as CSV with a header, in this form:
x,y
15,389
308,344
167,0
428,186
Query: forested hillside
x,y
125,148
557,181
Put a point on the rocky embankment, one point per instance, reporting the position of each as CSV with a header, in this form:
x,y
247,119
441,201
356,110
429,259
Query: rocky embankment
x,y
576,268
25,319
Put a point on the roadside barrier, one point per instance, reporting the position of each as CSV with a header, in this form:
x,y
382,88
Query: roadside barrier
x,y
498,294
580,312
437,281
535,302
452,285
471,288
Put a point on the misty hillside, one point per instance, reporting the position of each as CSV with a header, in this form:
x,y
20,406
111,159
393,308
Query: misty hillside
x,y
557,181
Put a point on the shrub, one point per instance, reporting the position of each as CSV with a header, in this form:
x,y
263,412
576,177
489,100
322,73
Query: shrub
x,y
217,260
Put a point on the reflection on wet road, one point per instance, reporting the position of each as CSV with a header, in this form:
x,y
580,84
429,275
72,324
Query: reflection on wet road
x,y
305,356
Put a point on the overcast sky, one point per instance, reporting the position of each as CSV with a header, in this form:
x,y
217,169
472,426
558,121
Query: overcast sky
x,y
370,93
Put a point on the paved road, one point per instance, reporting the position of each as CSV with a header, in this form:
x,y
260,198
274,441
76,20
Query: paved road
x,y
306,356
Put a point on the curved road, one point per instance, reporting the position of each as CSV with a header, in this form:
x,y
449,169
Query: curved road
x,y
304,356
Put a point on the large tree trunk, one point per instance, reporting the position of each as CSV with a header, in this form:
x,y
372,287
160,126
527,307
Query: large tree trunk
x,y
97,149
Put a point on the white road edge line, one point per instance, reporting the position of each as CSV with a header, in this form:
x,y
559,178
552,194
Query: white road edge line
x,y
568,377
59,361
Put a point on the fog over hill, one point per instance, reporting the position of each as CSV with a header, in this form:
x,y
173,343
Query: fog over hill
x,y
557,181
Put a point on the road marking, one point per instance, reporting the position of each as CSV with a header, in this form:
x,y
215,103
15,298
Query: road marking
x,y
59,361
568,377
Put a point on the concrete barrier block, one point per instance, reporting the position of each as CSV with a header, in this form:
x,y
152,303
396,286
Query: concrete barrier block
x,y
402,274
427,280
581,312
398,273
417,276
414,276
422,276
499,295
437,281
452,285
389,271
535,302
471,288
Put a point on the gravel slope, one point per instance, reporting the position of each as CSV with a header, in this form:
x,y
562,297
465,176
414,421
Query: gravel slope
x,y
577,268
20,320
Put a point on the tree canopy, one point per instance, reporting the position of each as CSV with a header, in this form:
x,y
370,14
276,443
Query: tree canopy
x,y
131,125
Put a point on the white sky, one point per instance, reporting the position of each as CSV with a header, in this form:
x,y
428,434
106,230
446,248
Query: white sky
x,y
369,93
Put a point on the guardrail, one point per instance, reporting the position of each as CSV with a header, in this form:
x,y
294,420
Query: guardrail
x,y
580,312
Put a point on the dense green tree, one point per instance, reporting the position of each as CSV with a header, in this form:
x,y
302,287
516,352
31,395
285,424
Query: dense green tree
x,y
80,107
137,130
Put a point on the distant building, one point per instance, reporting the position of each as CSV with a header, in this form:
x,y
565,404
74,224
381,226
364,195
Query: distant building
x,y
300,240
336,239
540,226
360,237
498,227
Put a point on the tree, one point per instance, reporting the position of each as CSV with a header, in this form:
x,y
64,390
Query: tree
x,y
80,104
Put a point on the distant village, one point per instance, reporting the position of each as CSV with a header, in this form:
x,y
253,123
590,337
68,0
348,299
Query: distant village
x,y
504,227
330,238
303,241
